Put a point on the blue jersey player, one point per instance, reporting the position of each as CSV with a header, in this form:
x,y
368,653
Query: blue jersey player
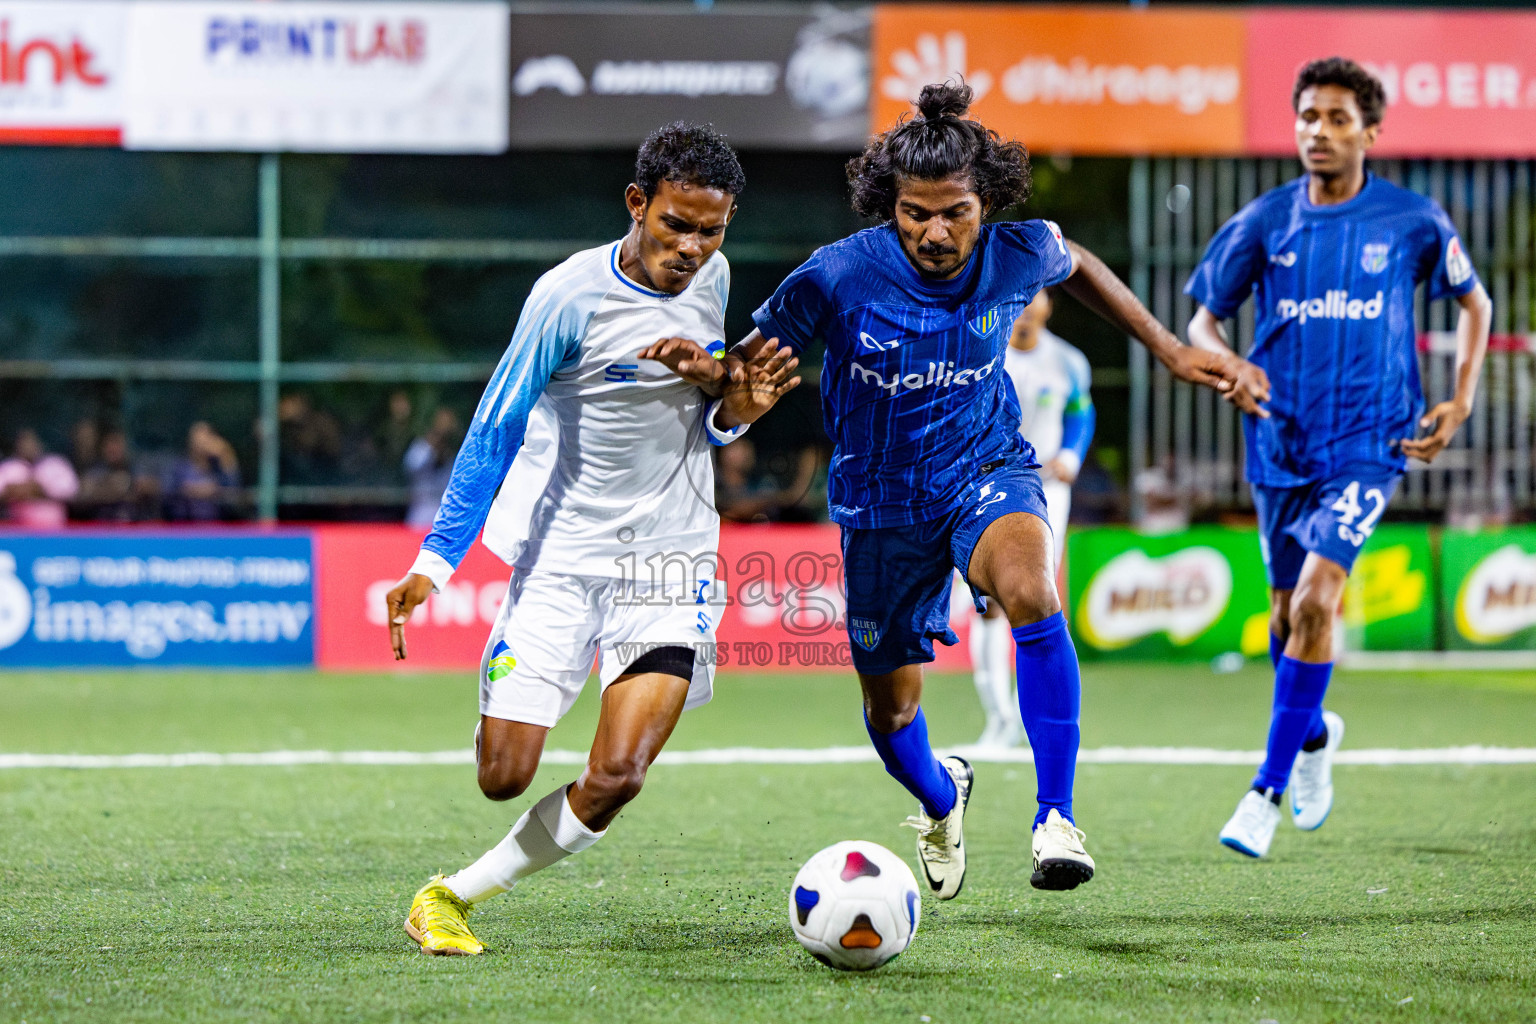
x,y
929,472
1332,259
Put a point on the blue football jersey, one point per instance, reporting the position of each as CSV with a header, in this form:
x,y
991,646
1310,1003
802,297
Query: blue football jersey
x,y
1333,321
913,389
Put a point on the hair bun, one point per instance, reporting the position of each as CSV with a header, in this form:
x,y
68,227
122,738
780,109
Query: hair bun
x,y
947,99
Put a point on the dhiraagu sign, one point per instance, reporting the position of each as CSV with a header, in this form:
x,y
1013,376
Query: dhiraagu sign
x,y
1194,594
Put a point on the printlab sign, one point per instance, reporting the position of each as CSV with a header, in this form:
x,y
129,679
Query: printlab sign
x,y
138,599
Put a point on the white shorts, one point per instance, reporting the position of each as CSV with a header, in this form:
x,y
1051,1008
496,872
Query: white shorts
x,y
1058,506
552,626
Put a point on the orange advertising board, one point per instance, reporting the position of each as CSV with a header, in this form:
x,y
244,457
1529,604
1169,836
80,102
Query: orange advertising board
x,y
1072,79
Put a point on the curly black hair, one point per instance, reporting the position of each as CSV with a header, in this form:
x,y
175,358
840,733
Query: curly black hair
x,y
1342,71
694,154
939,143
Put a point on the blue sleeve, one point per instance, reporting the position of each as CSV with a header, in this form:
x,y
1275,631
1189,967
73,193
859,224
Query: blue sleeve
x,y
1232,265
1055,260
1077,421
548,335
798,310
1444,263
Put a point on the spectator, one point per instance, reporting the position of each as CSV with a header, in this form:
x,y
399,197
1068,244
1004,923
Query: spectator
x,y
84,440
428,464
35,486
309,441
198,490
109,489
394,436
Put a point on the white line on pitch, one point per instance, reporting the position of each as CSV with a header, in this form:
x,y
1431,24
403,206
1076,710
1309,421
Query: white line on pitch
x,y
1473,755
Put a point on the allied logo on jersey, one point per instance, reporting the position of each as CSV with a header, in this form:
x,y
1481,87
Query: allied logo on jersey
x,y
1373,258
939,375
622,373
1457,267
985,324
1334,305
864,632
1284,259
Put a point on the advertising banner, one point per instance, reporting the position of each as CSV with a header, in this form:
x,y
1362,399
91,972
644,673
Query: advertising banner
x,y
61,72
1488,589
1458,83
784,610
131,598
1193,595
319,77
1389,601
770,77
1072,79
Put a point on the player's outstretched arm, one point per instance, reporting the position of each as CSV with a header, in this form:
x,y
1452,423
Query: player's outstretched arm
x,y
1096,286
1471,346
756,382
1207,333
692,362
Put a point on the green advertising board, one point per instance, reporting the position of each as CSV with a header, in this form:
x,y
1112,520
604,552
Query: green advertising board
x,y
1488,589
1194,594
1389,603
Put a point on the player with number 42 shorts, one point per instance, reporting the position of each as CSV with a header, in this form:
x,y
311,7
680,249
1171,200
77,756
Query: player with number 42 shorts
x,y
1333,260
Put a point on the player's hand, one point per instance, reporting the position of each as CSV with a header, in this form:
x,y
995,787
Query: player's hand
x,y
1060,469
399,603
1239,381
754,385
1444,419
692,362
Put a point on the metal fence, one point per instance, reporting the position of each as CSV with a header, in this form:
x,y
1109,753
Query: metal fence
x,y
1197,438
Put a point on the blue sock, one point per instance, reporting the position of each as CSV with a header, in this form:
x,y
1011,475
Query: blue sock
x,y
1299,690
910,761
1050,700
1317,729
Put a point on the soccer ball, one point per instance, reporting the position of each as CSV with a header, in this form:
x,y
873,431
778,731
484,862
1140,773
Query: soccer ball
x,y
854,906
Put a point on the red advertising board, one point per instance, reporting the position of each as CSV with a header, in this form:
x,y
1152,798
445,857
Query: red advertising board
x,y
1458,83
785,613
61,69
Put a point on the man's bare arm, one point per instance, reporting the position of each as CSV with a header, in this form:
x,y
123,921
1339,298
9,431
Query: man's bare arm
x,y
1096,286
1208,333
1471,347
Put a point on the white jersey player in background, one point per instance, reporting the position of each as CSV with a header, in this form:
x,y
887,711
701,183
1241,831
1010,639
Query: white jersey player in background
x,y
597,459
1051,379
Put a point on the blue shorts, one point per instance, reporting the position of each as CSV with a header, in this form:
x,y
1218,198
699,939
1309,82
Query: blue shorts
x,y
897,578
1331,518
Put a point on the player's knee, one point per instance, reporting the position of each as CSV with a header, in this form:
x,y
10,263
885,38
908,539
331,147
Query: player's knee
x,y
1030,601
503,779
1310,616
615,781
891,716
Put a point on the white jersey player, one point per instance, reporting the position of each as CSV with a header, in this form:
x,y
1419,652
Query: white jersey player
x,y
598,463
1051,380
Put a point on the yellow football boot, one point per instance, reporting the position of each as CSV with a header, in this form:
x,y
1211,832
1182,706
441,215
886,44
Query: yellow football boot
x,y
439,921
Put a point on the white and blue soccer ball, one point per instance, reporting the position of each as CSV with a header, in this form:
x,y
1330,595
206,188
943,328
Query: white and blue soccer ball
x,y
854,906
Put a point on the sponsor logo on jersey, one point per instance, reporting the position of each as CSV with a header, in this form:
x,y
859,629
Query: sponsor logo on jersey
x,y
864,632
1373,258
1285,259
982,325
1457,267
1334,305
939,375
1061,243
502,662
870,343
622,373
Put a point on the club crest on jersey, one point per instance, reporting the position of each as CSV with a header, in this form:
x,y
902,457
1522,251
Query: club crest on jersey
x,y
1373,258
864,632
982,325
502,662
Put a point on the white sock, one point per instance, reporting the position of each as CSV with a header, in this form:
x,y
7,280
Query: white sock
x,y
1000,655
981,667
548,831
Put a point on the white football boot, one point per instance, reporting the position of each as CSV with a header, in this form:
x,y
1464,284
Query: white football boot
x,y
1312,778
940,845
1060,860
1252,826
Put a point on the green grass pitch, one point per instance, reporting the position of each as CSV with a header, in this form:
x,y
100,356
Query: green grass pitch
x,y
276,894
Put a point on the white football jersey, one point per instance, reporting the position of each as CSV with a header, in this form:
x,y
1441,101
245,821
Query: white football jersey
x,y
1048,379
612,463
